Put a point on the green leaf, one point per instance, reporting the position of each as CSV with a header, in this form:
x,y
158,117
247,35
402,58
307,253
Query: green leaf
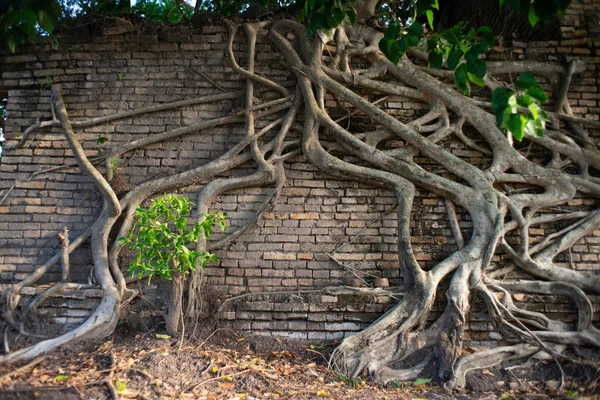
x,y
11,45
537,93
533,17
393,49
351,14
461,79
501,118
60,378
162,336
534,111
480,48
512,103
499,100
26,20
338,17
399,47
449,36
478,68
487,36
429,14
525,81
525,100
392,31
454,58
411,40
181,223
415,30
385,45
435,59
460,74
432,44
516,126
422,381
476,80
46,22
120,386
535,128
484,30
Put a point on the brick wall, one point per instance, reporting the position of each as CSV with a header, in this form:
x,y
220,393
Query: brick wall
x,y
125,68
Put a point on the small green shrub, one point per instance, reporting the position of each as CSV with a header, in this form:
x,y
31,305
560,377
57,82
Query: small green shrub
x,y
162,240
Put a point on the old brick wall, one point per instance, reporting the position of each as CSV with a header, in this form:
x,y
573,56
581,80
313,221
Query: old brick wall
x,y
125,68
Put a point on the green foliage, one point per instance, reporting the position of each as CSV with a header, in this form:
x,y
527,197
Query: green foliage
x,y
397,40
538,10
120,386
397,384
406,12
422,381
574,394
508,102
45,83
458,48
100,142
162,240
418,382
22,19
115,165
324,14
165,11
462,50
352,382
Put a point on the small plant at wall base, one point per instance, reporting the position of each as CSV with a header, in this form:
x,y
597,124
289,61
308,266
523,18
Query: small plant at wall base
x,y
162,241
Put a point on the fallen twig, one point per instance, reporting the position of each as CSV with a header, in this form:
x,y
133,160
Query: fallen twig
x,y
219,377
23,368
111,389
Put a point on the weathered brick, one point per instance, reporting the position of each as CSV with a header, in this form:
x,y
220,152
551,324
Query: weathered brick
x,y
271,255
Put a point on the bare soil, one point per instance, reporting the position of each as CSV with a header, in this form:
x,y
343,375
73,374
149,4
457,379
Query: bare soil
x,y
139,362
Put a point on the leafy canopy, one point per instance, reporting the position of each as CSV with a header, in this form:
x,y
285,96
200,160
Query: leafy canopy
x,y
22,19
161,238
407,24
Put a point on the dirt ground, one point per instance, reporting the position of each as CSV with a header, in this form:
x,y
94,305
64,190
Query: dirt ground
x,y
144,363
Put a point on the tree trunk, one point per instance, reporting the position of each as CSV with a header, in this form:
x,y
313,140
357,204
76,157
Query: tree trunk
x,y
175,304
